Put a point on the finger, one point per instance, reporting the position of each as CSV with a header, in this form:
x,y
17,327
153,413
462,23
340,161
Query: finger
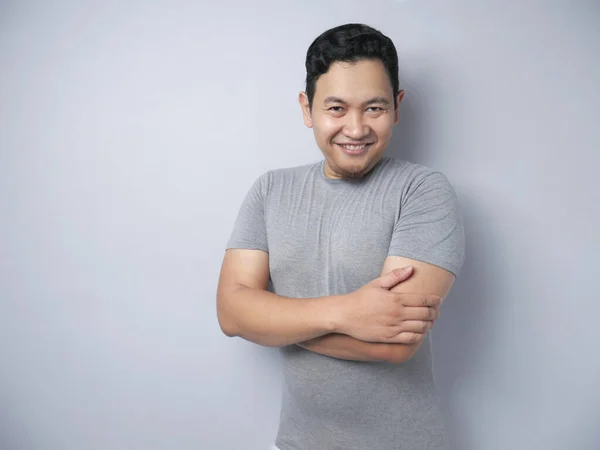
x,y
416,326
408,299
407,338
419,313
391,279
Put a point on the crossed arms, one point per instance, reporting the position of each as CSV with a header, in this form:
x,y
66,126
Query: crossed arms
x,y
368,325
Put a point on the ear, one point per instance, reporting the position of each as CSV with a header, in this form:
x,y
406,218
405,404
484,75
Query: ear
x,y
306,113
399,98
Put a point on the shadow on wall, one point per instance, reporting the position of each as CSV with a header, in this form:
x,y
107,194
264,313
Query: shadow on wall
x,y
459,342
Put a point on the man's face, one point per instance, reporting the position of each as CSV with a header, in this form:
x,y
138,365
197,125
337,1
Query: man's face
x,y
352,116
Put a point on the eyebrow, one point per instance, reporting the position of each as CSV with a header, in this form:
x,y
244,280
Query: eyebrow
x,y
373,101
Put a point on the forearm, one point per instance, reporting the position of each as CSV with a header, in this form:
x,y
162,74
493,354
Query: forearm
x,y
346,347
268,319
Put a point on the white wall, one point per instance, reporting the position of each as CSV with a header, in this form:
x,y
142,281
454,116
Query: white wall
x,y
129,133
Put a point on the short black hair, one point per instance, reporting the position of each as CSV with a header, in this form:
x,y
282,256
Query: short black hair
x,y
352,42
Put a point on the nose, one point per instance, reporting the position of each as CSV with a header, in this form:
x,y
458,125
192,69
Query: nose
x,y
355,127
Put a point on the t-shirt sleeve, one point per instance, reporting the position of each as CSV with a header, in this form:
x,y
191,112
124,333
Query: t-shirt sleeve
x,y
249,230
429,227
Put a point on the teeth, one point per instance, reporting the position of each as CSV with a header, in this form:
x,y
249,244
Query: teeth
x,y
354,147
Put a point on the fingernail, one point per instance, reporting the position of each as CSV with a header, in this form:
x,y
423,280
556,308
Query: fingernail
x,y
407,268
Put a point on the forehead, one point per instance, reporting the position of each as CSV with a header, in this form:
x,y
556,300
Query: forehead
x,y
354,82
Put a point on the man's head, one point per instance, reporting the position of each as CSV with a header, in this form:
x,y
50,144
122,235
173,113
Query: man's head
x,y
351,98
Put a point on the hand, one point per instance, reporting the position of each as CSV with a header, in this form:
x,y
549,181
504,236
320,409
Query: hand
x,y
375,314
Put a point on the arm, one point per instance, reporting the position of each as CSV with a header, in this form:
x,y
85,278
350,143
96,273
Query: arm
x,y
430,224
246,309
426,278
346,347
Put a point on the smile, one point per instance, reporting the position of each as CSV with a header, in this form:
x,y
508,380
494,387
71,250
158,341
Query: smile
x,y
354,149
354,146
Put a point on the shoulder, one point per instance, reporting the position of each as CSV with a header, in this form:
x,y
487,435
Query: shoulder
x,y
292,171
411,177
273,178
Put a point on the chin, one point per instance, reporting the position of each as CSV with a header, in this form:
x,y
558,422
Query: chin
x,y
354,175
351,167
353,172
356,169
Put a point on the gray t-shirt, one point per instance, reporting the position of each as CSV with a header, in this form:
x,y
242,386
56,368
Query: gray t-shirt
x,y
330,237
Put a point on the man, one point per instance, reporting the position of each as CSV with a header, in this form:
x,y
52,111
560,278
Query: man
x,y
360,250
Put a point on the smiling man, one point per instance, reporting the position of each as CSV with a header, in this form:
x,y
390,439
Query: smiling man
x,y
360,249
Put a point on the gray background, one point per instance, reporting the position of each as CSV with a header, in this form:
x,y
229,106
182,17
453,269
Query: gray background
x,y
129,134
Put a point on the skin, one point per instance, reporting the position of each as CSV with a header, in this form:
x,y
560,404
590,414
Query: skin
x,y
423,279
353,104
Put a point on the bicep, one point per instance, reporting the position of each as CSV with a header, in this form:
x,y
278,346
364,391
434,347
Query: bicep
x,y
241,269
244,268
425,279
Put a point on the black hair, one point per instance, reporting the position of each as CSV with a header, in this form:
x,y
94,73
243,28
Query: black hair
x,y
352,42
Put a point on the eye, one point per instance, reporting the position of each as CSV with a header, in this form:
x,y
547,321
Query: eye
x,y
374,109
335,109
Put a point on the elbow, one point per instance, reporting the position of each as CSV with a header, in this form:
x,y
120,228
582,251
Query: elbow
x,y
226,322
399,353
227,329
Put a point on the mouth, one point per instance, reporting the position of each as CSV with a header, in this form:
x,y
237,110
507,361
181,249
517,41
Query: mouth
x,y
354,149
